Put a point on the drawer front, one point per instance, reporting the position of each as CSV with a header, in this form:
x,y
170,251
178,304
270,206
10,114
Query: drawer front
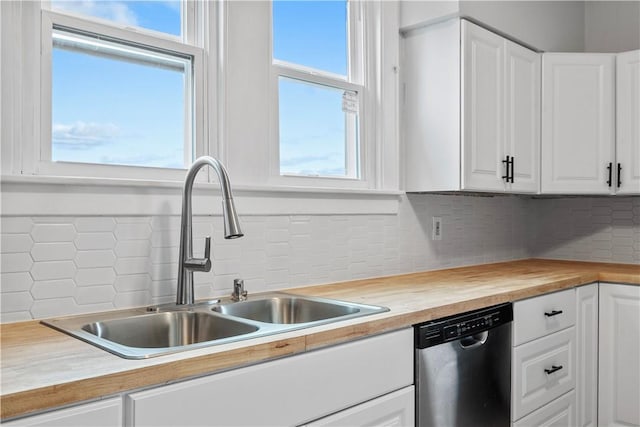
x,y
559,413
536,317
542,370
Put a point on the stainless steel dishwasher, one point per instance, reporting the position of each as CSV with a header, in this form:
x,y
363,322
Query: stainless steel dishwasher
x,y
463,369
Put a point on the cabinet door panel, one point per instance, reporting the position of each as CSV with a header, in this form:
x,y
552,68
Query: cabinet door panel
x,y
619,370
587,355
559,413
522,116
395,409
288,391
577,123
105,413
542,370
482,65
628,121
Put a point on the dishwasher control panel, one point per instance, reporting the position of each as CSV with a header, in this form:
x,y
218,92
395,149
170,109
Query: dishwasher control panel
x,y
461,325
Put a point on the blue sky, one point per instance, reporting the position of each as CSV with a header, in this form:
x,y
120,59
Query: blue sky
x,y
121,112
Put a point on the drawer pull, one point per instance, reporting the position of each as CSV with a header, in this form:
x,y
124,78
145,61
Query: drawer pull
x,y
553,369
552,313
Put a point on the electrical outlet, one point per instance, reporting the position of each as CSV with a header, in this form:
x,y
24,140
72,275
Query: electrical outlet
x,y
436,231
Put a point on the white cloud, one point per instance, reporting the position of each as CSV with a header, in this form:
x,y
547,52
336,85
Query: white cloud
x,y
116,11
81,135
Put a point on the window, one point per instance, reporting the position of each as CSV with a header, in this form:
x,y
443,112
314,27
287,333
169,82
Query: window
x,y
122,85
317,63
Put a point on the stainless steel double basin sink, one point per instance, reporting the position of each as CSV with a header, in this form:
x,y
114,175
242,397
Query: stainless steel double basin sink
x,y
152,331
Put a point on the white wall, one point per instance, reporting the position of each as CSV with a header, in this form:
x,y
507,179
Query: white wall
x,y
546,25
612,26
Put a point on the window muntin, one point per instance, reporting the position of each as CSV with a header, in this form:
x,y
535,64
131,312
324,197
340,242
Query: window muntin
x,y
162,16
118,104
300,150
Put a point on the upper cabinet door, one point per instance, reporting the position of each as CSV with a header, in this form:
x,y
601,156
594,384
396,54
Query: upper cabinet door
x,y
483,107
628,123
578,123
522,116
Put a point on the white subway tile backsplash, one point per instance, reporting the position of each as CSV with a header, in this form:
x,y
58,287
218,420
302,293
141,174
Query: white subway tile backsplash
x,y
51,270
94,223
133,231
84,264
11,243
15,282
12,224
65,251
101,240
14,263
100,258
95,294
15,301
95,276
53,289
53,233
134,282
133,248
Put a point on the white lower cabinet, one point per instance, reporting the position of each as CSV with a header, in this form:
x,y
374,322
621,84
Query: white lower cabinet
x,y
543,370
543,364
619,351
105,413
285,392
560,412
396,409
587,356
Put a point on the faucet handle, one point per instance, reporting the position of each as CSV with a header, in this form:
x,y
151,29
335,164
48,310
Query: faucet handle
x,y
207,248
201,264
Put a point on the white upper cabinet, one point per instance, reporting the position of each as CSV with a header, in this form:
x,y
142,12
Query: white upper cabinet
x,y
522,117
628,123
578,123
483,108
471,110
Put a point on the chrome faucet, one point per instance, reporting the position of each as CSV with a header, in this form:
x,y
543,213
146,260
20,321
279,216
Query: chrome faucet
x,y
187,264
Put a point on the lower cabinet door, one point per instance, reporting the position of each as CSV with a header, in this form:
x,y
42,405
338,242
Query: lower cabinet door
x,y
559,413
619,370
107,413
542,370
392,410
284,392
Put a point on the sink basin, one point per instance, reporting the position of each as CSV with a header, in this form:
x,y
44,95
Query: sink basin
x,y
170,329
287,310
139,333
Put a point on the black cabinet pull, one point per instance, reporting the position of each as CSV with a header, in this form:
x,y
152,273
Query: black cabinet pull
x,y
619,175
508,169
553,369
610,169
552,313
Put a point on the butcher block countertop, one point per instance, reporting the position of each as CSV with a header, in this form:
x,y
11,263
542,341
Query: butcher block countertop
x,y
42,368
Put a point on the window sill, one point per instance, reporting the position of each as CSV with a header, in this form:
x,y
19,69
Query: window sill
x,y
46,195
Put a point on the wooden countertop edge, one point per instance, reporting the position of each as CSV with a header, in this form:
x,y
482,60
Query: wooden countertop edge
x,y
34,400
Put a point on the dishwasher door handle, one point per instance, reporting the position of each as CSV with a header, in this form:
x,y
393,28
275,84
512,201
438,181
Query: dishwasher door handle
x,y
473,341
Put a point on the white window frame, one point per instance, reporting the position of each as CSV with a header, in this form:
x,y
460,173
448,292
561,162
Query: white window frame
x,y
359,79
38,160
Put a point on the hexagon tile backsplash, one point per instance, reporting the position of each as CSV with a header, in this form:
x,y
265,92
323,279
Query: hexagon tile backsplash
x,y
53,266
